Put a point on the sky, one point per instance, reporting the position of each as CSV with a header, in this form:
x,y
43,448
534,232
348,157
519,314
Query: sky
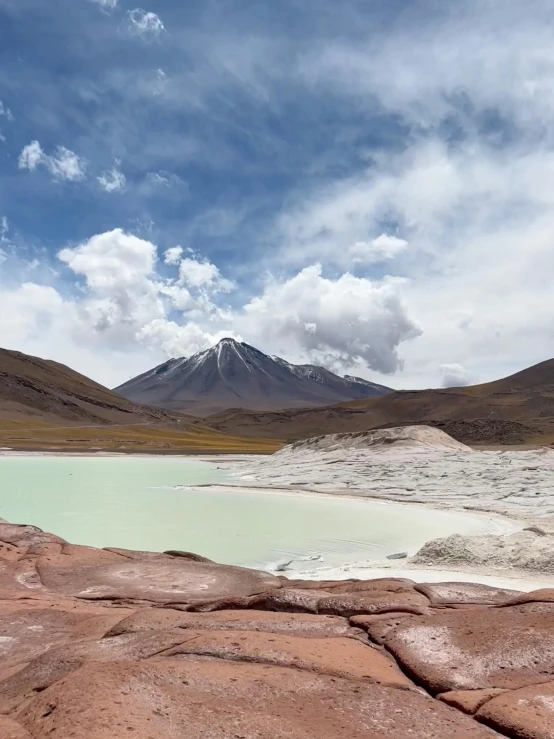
x,y
366,185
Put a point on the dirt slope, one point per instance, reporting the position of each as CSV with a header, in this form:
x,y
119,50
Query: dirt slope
x,y
515,410
46,405
30,386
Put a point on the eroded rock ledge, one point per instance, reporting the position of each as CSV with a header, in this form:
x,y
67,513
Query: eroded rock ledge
x,y
110,643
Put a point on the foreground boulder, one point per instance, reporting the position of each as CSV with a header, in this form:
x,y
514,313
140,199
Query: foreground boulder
x,y
111,643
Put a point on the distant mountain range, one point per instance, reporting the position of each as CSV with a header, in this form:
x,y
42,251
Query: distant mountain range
x,y
514,410
233,374
44,404
34,387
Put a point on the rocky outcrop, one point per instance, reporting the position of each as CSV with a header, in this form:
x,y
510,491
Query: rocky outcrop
x,y
530,550
115,643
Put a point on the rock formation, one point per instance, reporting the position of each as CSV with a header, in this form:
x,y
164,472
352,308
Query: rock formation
x,y
111,643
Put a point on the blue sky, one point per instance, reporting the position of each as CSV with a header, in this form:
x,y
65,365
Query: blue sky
x,y
369,186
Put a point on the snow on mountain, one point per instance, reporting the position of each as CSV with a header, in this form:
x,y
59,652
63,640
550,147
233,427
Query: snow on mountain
x,y
233,374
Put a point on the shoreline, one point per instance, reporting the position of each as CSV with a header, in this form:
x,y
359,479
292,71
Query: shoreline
x,y
359,569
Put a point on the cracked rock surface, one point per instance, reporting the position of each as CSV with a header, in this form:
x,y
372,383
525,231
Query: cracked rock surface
x,y
105,644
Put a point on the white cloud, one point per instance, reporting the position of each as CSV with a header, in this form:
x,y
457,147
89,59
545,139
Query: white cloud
x,y
27,309
145,24
173,255
379,250
112,261
478,223
202,274
5,112
342,320
160,183
454,375
64,164
122,307
126,305
112,180
157,179
107,4
179,297
31,156
4,228
160,83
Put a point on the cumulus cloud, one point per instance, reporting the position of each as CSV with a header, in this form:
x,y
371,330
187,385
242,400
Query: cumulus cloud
x,y
145,24
64,164
454,375
26,310
378,250
112,180
344,320
122,305
127,304
203,274
31,156
173,255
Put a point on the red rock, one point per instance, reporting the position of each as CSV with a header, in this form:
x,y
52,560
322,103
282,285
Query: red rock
x,y
234,653
460,593
455,650
25,536
380,625
533,607
469,701
522,714
342,604
389,584
58,662
225,700
158,579
535,596
300,624
27,632
339,657
10,729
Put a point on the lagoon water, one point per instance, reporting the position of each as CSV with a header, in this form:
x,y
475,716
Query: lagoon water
x,y
138,503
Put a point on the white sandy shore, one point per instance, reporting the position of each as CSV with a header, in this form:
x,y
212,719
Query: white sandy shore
x,y
519,484
515,484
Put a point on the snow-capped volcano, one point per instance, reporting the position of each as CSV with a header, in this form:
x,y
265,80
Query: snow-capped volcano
x,y
233,374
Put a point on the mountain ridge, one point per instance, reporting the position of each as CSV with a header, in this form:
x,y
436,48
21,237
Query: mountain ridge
x,y
235,374
518,409
45,405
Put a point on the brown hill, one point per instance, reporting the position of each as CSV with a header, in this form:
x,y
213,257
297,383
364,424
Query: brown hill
x,y
30,386
44,404
515,410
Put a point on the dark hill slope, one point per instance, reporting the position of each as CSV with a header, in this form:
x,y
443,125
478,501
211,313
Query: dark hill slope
x,y
516,409
30,386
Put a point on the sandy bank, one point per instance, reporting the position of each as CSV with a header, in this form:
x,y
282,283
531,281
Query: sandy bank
x,y
421,466
424,466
